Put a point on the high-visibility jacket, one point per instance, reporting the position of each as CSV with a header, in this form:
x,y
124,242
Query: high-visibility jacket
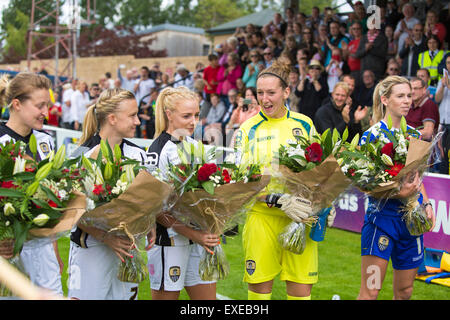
x,y
425,62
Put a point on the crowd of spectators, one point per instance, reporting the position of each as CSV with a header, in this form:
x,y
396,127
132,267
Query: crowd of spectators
x,y
336,62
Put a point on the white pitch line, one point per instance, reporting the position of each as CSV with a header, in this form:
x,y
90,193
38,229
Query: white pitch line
x,y
221,297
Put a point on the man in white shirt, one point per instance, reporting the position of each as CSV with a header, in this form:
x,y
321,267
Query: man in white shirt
x,y
66,117
143,86
126,82
405,26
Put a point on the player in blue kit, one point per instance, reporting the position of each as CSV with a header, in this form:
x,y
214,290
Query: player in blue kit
x,y
384,234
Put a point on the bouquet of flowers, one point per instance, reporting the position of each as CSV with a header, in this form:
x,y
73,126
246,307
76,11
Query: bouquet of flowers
x,y
37,199
123,199
212,197
308,169
385,160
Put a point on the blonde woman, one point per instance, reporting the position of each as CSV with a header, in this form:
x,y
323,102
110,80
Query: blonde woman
x,y
95,254
174,260
28,99
384,235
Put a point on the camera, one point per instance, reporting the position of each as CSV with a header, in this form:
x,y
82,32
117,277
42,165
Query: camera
x,y
246,103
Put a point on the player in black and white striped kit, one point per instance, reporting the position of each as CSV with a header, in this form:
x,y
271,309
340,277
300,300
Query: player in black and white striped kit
x,y
173,261
94,253
28,98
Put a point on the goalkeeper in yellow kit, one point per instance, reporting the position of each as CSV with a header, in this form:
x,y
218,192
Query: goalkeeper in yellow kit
x,y
257,140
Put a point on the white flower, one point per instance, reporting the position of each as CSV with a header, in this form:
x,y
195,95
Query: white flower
x,y
345,168
8,209
19,165
245,179
63,194
41,219
90,204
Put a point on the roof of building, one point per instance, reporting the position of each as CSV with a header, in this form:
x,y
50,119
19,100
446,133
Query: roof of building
x,y
258,19
171,27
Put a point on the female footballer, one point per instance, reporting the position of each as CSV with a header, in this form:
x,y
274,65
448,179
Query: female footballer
x,y
174,260
384,234
94,253
257,140
28,98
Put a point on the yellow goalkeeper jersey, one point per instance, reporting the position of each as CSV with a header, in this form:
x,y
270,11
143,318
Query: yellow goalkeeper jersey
x,y
260,137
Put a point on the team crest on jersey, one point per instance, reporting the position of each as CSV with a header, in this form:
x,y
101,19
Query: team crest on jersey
x,y
44,148
250,266
297,132
174,273
383,243
238,139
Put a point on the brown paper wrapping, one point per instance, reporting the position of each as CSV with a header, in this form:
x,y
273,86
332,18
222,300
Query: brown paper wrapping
x,y
321,185
213,213
417,159
133,211
75,210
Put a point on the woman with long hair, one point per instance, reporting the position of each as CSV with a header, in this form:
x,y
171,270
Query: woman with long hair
x,y
384,235
27,97
95,254
256,140
174,260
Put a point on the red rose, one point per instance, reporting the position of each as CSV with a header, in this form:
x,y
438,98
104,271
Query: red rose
x,y
98,189
8,185
351,172
388,149
314,153
205,171
395,169
52,204
226,176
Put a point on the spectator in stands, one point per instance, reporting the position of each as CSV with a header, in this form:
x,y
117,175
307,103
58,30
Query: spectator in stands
x,y
312,89
214,118
424,74
275,45
335,40
186,78
268,57
205,105
424,111
354,63
128,82
258,41
308,42
392,43
364,92
79,102
297,29
290,49
94,92
294,79
109,80
336,113
210,76
55,111
372,51
231,46
410,51
66,117
336,68
393,68
405,25
227,76
252,69
431,58
143,86
313,21
434,27
443,98
393,16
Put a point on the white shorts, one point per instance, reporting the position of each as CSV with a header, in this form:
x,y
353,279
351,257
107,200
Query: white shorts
x,y
93,274
173,268
40,263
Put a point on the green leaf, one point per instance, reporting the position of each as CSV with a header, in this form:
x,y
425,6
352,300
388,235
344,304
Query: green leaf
x,y
345,134
4,192
33,145
51,195
389,122
20,235
208,186
403,125
336,136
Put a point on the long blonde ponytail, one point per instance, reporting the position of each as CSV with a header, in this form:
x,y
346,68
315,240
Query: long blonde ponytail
x,y
107,103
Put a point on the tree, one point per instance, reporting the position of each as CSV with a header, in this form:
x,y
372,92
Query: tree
x,y
16,38
96,41
307,5
210,13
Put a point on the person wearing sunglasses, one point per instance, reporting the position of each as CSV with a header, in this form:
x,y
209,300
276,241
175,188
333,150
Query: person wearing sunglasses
x,y
252,69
